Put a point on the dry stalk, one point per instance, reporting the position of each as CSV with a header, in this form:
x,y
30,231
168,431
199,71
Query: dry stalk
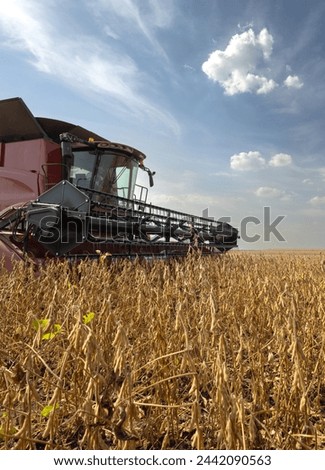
x,y
225,352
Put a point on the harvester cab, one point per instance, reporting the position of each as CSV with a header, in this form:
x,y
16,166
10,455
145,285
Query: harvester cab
x,y
104,167
67,192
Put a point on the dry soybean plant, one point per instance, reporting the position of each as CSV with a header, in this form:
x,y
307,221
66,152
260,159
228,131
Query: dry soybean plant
x,y
199,353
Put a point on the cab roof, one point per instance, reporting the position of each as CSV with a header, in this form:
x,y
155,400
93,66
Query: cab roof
x,y
17,123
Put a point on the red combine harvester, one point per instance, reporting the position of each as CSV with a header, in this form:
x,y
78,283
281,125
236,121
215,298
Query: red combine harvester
x,y
67,192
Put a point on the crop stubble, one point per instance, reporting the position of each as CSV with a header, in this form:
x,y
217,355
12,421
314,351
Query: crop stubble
x,y
202,353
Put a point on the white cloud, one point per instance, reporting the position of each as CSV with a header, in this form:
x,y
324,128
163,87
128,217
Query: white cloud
x,y
245,161
293,81
110,32
96,68
245,26
239,68
269,192
253,160
280,159
144,17
317,201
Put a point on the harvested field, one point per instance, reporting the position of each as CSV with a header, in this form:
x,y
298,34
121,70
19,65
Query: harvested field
x,y
223,353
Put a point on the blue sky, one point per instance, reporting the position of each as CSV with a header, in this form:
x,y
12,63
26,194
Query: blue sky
x,y
225,97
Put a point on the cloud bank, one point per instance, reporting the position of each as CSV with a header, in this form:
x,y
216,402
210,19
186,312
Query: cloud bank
x,y
254,160
244,65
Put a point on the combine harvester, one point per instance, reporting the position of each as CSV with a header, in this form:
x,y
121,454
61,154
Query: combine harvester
x,y
68,193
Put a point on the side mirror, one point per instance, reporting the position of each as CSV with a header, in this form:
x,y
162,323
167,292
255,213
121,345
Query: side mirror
x,y
66,150
67,158
151,174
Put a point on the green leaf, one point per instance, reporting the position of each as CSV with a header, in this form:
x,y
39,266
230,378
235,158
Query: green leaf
x,y
88,317
48,409
54,332
41,323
